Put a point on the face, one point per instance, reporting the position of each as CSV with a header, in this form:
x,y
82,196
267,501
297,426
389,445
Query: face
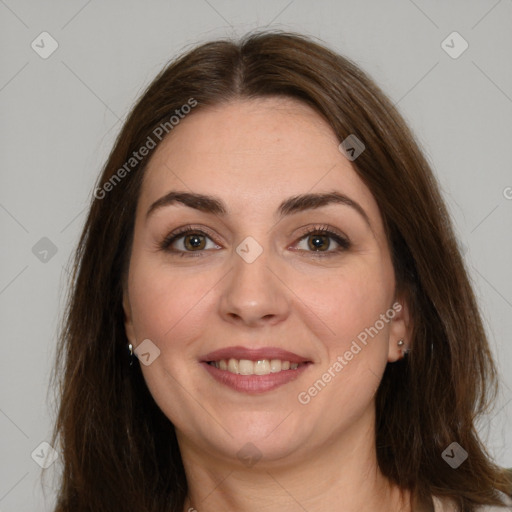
x,y
261,278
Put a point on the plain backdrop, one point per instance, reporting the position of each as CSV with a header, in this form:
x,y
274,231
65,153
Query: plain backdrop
x,y
60,115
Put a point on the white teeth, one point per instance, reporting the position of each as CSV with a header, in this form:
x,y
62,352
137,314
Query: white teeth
x,y
275,365
233,366
262,367
247,367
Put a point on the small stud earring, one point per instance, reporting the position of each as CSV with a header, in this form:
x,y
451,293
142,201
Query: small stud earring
x,y
130,350
401,344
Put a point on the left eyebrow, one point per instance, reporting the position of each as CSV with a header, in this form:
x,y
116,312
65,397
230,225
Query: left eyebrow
x,y
304,202
295,204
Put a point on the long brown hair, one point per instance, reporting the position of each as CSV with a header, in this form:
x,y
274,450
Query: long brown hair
x,y
119,451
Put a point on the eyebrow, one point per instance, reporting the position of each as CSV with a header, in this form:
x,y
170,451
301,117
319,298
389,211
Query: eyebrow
x,y
295,204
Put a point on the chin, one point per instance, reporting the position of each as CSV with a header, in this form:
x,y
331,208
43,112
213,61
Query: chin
x,y
270,438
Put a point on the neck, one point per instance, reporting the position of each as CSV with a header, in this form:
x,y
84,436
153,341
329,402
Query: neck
x,y
342,474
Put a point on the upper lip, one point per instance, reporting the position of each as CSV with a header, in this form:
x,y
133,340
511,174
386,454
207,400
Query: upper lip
x,y
254,354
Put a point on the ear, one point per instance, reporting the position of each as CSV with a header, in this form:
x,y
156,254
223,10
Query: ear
x,y
128,318
400,329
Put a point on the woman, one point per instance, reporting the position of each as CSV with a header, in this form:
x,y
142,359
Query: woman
x,y
269,308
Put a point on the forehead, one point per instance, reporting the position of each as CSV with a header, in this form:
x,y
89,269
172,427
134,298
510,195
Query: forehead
x,y
253,152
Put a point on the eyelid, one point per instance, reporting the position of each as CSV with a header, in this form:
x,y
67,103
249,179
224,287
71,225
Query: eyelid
x,y
340,238
180,232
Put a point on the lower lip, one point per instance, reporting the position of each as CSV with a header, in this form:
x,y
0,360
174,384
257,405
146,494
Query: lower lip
x,y
254,383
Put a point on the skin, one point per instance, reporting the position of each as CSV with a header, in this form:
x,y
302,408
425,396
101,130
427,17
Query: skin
x,y
253,154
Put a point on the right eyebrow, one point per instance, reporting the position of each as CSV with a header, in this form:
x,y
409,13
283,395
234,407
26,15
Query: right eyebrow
x,y
204,203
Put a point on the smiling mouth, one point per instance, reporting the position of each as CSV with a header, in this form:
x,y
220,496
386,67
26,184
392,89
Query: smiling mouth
x,y
259,367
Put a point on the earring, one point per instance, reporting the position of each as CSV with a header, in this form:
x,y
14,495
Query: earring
x,y
130,350
405,350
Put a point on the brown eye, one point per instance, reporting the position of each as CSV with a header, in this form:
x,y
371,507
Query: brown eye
x,y
187,241
318,242
194,242
322,240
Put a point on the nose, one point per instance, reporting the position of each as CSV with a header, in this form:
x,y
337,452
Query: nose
x,y
252,294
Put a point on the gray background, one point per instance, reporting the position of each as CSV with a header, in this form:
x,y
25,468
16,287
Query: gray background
x,y
60,116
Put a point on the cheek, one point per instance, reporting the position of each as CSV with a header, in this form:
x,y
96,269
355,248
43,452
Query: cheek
x,y
163,301
350,300
172,307
357,348
356,342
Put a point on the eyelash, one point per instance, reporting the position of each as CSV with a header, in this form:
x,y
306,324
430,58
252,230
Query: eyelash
x,y
342,241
